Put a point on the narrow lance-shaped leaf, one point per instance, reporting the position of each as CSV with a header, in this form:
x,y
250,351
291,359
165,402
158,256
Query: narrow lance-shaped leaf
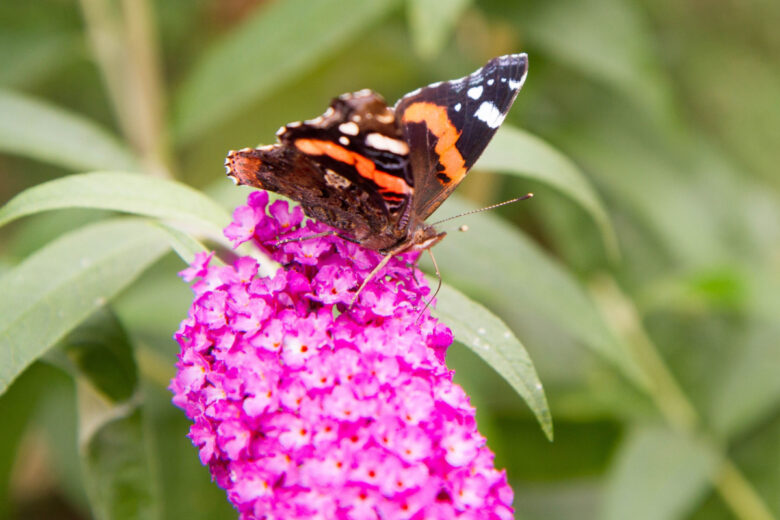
x,y
489,337
115,454
266,51
518,152
116,458
138,194
57,287
659,474
42,131
499,264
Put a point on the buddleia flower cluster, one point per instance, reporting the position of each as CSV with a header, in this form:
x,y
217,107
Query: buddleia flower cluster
x,y
306,407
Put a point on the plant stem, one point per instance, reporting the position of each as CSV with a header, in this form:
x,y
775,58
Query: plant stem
x,y
125,49
671,400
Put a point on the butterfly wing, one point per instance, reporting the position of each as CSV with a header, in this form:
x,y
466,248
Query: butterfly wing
x,y
358,139
324,195
448,125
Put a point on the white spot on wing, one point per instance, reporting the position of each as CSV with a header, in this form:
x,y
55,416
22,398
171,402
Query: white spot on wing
x,y
349,128
385,118
335,180
475,92
489,114
344,140
515,85
388,144
490,81
456,108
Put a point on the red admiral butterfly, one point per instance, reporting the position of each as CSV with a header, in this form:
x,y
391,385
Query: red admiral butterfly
x,y
376,172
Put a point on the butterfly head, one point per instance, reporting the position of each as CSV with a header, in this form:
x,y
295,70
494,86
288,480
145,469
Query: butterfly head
x,y
425,237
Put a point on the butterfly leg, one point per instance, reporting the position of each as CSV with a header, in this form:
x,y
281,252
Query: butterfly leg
x,y
371,275
438,276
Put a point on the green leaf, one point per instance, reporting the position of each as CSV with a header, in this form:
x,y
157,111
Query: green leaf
x,y
57,287
30,56
185,246
130,193
265,52
487,336
116,461
518,152
36,129
575,34
748,390
115,455
17,407
100,351
431,22
659,475
498,264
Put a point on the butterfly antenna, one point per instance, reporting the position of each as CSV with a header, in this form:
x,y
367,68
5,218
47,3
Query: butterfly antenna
x,y
307,237
438,276
524,197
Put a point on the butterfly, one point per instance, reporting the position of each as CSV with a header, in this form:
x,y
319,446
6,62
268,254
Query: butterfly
x,y
375,173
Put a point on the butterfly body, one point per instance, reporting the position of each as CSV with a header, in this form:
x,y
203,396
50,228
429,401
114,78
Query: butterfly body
x,y
375,172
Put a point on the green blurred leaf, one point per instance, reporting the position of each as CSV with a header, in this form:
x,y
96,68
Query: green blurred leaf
x,y
431,22
518,152
119,474
644,173
263,53
658,475
57,287
607,40
39,130
498,264
487,336
100,352
17,406
185,246
139,194
748,392
29,56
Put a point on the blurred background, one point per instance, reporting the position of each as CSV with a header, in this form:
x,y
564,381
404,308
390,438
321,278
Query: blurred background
x,y
643,278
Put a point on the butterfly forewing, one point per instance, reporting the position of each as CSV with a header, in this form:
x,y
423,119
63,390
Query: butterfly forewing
x,y
449,124
357,141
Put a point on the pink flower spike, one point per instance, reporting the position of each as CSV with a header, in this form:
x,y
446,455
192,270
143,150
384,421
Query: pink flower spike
x,y
304,407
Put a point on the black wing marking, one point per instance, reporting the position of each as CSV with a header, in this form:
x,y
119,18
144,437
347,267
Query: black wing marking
x,y
449,124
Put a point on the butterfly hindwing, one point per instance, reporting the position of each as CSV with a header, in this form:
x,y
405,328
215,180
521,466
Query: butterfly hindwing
x,y
324,196
447,126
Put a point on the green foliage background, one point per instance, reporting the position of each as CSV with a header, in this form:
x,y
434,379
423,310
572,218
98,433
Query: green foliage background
x,y
643,279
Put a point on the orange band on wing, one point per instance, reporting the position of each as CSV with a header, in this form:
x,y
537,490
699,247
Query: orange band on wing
x,y
363,165
439,124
